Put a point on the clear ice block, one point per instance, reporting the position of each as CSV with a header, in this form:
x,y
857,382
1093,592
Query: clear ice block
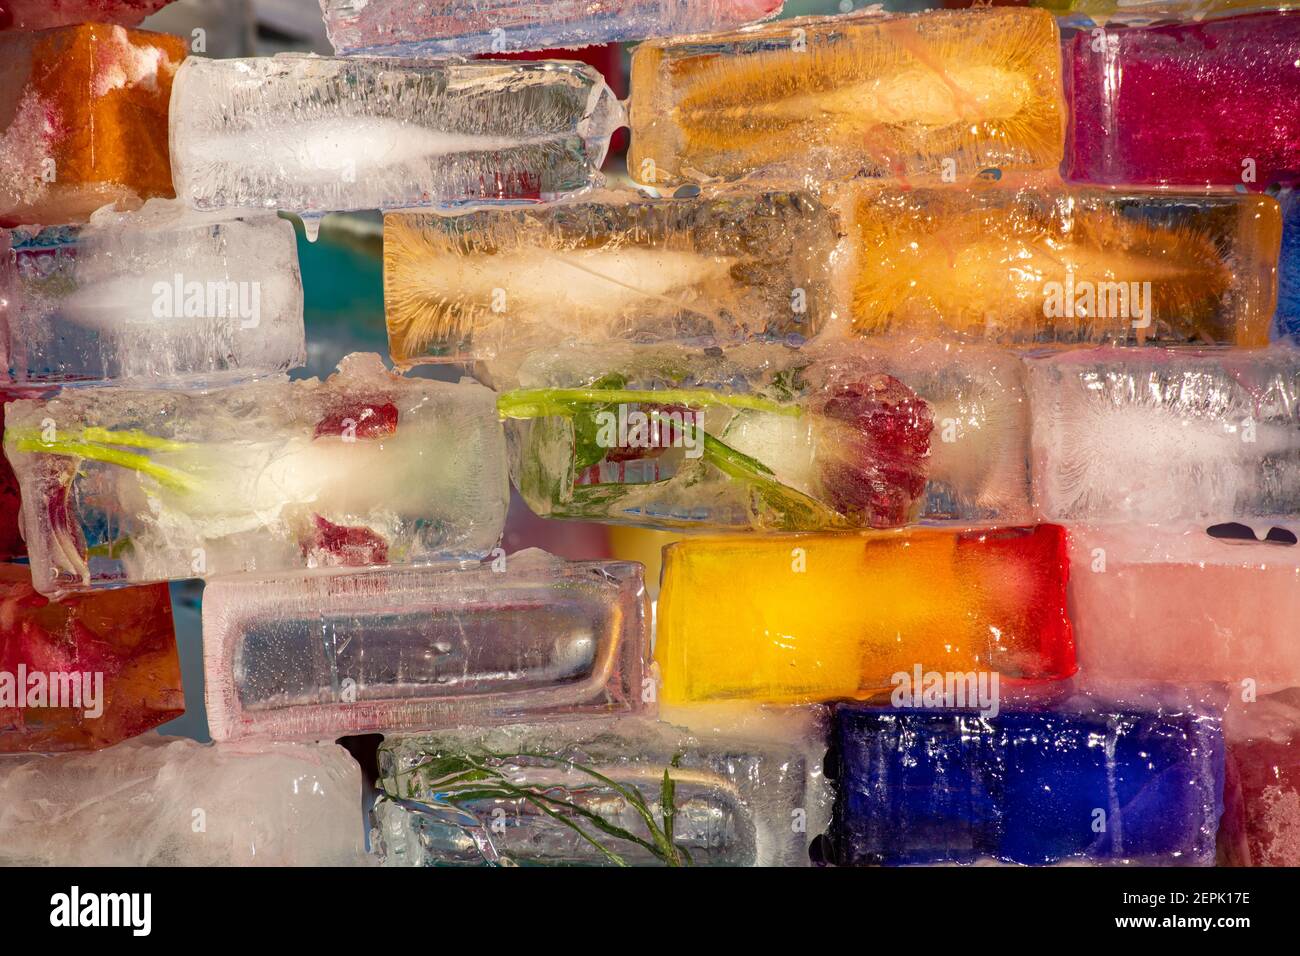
x,y
366,468
827,616
769,437
1161,436
414,649
833,97
471,27
161,801
715,269
606,792
1051,265
164,296
86,672
312,135
1186,608
83,120
1082,782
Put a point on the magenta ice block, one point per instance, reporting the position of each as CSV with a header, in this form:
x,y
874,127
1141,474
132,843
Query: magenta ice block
x,y
1186,103
417,649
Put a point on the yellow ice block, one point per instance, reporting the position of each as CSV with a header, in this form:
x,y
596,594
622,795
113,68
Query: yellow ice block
x,y
801,618
942,93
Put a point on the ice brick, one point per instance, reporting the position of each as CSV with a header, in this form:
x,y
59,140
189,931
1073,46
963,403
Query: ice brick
x,y
163,296
1186,608
83,120
312,134
126,486
1231,80
44,14
829,616
11,536
1064,266
87,672
716,269
1078,783
892,95
506,26
414,649
1286,324
275,804
732,800
793,439
1261,820
1160,436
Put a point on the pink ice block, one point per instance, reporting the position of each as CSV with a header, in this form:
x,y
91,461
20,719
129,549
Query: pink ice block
x,y
1185,608
43,14
1187,104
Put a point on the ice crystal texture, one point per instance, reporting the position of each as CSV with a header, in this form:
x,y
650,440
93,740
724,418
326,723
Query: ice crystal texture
x,y
138,804
507,26
163,296
732,800
715,269
125,486
312,134
1165,436
411,649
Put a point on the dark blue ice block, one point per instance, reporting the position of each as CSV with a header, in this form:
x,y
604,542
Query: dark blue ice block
x,y
1286,324
1032,787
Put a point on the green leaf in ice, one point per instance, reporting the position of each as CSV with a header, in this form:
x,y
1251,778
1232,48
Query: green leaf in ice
x,y
587,450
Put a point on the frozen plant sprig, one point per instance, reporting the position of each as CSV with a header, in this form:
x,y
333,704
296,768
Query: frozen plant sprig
x,y
457,779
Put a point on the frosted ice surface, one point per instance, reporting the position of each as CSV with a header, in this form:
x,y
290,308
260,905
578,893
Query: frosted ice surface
x,y
137,804
162,296
314,134
1163,437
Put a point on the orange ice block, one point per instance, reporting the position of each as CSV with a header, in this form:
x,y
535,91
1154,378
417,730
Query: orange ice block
x,y
83,120
817,617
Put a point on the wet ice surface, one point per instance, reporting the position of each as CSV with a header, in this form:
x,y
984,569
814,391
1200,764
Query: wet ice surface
x,y
314,134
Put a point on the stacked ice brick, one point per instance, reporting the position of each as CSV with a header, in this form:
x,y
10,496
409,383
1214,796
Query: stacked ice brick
x,y
990,477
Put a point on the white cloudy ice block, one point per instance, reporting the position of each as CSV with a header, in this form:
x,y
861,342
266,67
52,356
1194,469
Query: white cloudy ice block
x,y
410,649
312,134
160,297
1157,436
156,801
506,26
124,486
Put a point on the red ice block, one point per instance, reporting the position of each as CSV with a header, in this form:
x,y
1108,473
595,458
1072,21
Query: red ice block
x,y
1261,820
87,672
1211,103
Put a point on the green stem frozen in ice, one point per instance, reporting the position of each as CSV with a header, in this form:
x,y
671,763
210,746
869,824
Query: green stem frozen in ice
x,y
545,402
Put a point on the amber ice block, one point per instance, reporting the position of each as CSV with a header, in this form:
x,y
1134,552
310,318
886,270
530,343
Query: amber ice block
x,y
801,618
714,269
938,93
87,672
83,120
1065,266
